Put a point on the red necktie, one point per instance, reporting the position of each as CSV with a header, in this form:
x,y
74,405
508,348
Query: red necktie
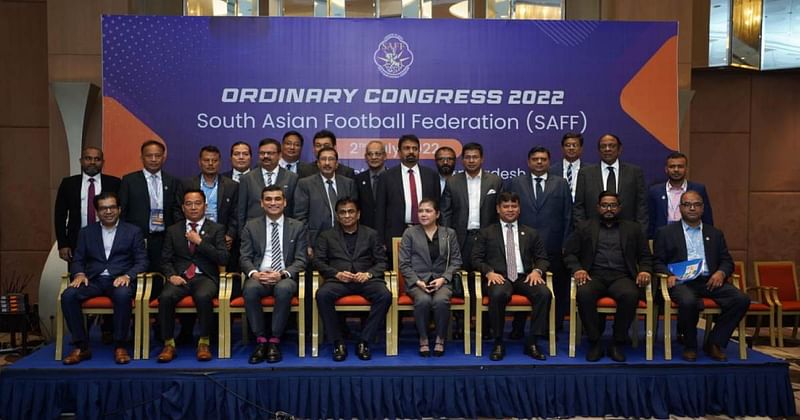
x,y
91,216
412,185
190,271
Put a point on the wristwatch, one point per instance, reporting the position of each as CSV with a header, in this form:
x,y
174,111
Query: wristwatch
x,y
369,276
286,275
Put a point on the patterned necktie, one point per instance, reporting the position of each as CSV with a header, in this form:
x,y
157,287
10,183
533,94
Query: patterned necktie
x,y
511,254
192,269
539,189
277,255
91,216
331,200
412,186
569,175
269,179
611,181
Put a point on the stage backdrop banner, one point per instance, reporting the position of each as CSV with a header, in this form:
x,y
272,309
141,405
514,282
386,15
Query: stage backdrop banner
x,y
509,85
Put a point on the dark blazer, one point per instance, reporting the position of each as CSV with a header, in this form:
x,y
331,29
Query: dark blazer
x,y
67,213
208,255
552,217
250,187
391,206
135,200
489,251
657,205
331,256
581,247
455,202
294,245
631,189
366,198
670,247
227,202
128,254
414,258
308,169
311,202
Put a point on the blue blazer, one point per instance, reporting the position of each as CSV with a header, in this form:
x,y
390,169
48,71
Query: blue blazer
x,y
128,254
657,206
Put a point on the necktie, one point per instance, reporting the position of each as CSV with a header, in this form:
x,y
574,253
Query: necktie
x,y
511,254
192,269
331,199
269,179
569,175
277,255
289,167
91,216
412,186
236,176
154,192
539,189
611,181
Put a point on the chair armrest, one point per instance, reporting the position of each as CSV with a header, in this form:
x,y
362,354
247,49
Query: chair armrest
x,y
392,279
548,281
662,280
149,279
478,289
140,286
64,284
301,286
464,276
316,282
648,294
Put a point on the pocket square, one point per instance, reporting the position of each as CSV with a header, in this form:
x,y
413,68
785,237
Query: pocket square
x,y
491,191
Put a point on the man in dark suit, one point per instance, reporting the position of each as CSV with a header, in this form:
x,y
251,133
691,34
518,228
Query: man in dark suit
x,y
663,199
352,261
569,166
400,190
251,185
611,175
222,193
512,259
291,147
367,181
323,138
241,161
193,251
546,205
106,261
608,256
692,239
445,158
273,256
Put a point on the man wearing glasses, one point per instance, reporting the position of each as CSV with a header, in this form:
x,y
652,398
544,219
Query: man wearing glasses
x,y
445,158
251,184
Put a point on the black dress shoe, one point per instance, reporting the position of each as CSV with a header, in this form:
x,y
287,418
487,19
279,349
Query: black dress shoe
x,y
689,354
534,352
362,351
713,351
259,354
595,353
339,352
273,353
615,353
498,353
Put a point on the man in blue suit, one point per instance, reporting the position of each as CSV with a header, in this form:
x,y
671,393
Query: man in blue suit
x,y
106,261
664,198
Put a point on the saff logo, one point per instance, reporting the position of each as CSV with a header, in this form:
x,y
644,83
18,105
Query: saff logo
x,y
393,56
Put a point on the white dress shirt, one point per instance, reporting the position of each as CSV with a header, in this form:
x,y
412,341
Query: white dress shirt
x,y
98,188
108,242
474,196
517,255
576,166
266,262
604,172
407,189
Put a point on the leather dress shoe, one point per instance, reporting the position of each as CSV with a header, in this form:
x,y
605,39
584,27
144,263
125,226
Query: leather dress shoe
x,y
203,353
259,354
362,351
498,353
713,351
615,353
167,354
339,352
76,356
534,352
595,353
273,353
689,354
121,356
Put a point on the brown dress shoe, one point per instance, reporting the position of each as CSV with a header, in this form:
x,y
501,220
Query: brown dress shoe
x,y
76,356
203,353
121,356
167,354
713,351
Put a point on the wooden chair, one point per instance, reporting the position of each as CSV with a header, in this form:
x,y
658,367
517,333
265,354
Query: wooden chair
x,y
780,277
102,305
237,306
607,305
517,303
349,303
184,306
760,307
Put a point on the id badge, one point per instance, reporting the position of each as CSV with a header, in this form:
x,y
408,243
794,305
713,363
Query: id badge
x,y
157,217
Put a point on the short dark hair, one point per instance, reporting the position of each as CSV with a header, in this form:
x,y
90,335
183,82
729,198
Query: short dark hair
x,y
432,202
195,191
608,194
507,196
153,143
407,137
105,195
572,135
619,142
538,149
347,200
325,134
444,149
210,149
295,133
328,149
240,143
472,146
677,155
271,188
269,140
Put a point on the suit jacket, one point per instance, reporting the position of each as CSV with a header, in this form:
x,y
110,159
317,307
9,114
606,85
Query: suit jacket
x,y
366,198
311,203
414,259
250,187
128,254
391,206
208,255
227,202
308,169
631,189
670,247
294,245
581,247
551,215
67,212
489,251
455,202
135,200
331,255
657,203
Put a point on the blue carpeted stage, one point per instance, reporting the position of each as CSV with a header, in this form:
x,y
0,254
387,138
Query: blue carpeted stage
x,y
406,386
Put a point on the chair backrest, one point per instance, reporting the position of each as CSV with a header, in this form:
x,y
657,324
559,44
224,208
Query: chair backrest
x,y
739,274
779,274
401,282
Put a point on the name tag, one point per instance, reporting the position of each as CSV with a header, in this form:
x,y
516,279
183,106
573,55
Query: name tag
x,y
157,217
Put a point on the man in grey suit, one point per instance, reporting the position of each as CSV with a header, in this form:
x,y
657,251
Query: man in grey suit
x,y
273,254
323,138
251,185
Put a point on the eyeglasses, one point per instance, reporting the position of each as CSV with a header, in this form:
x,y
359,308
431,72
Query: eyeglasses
x,y
688,205
608,206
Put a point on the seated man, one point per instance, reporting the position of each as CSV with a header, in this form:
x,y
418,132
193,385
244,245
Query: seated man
x,y
272,266
692,239
106,261
193,251
512,259
352,260
608,257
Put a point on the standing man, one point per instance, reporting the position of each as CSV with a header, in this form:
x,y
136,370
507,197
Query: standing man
x,y
623,179
663,199
274,251
352,261
193,251
367,181
241,160
221,193
608,256
692,239
108,257
445,164
321,139
569,166
512,259
251,185
291,146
